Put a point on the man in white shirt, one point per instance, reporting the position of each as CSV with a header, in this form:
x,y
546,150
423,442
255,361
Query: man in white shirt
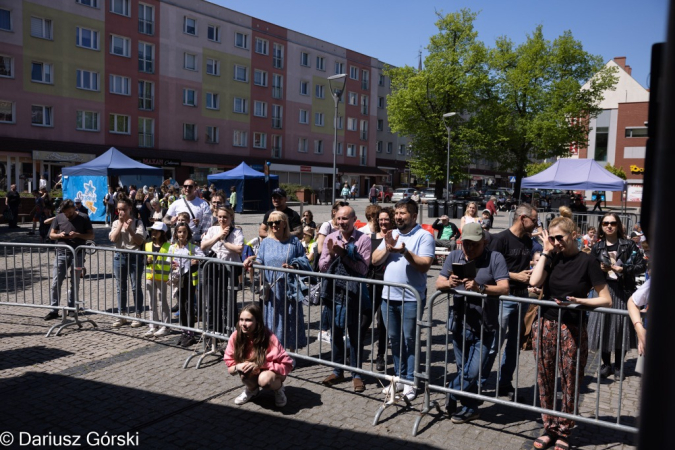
x,y
198,210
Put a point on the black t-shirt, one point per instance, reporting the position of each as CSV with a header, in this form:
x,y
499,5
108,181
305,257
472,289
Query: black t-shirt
x,y
294,219
13,199
571,276
516,251
80,224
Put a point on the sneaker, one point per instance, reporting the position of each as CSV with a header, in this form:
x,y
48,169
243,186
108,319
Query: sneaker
x,y
617,373
248,395
380,366
151,332
52,315
399,388
188,341
175,308
465,415
119,322
606,370
410,392
163,331
325,336
280,399
136,323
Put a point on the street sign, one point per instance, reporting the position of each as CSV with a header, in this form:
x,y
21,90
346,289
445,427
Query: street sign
x,y
512,179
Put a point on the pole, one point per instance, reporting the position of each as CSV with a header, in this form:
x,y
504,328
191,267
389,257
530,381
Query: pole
x,y
447,171
335,142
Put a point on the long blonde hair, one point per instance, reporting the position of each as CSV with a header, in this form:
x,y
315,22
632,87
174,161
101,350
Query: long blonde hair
x,y
466,212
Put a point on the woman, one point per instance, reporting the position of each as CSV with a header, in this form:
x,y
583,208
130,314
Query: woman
x,y
226,242
345,192
157,271
188,278
254,352
372,216
385,222
142,212
621,261
470,215
567,276
282,310
156,215
308,219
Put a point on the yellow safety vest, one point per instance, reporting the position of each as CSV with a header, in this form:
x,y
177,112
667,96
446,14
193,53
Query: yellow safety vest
x,y
161,269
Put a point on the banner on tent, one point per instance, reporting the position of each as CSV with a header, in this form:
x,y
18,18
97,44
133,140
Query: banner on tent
x,y
91,190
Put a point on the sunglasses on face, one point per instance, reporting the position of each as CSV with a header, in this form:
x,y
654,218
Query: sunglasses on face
x,y
274,223
188,186
558,238
217,203
609,224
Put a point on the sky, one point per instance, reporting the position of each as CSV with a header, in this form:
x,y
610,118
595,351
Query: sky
x,y
394,31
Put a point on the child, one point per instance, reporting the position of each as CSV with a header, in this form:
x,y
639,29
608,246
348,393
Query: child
x,y
486,221
308,243
254,352
157,272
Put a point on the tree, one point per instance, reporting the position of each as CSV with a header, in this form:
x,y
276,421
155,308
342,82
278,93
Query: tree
x,y
454,72
535,168
618,171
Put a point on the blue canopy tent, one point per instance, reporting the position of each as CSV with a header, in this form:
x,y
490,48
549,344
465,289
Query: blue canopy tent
x,y
251,186
89,181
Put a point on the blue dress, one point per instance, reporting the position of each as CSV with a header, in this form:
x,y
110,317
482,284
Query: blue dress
x,y
282,312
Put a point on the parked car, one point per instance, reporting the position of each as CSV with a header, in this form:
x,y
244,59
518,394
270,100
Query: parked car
x,y
428,195
385,193
469,195
401,193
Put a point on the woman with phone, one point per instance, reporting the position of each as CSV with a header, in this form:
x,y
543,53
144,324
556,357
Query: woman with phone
x,y
567,276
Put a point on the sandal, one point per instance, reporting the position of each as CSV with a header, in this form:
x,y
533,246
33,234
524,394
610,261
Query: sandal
x,y
561,444
544,441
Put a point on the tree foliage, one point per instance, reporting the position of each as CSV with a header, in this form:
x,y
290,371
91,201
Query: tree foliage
x,y
536,167
618,171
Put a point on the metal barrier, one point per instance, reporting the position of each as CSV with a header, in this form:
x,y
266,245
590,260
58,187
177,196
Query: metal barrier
x,y
586,220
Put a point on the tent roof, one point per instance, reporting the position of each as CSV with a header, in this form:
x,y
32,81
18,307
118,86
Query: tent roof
x,y
242,172
112,162
571,174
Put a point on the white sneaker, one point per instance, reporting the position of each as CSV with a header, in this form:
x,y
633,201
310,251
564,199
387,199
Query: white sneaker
x,y
399,388
119,322
151,332
136,323
410,392
163,331
247,395
325,336
280,397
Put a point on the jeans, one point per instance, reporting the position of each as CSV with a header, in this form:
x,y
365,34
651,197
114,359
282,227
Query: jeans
x,y
510,314
399,314
125,264
109,210
62,263
470,355
359,323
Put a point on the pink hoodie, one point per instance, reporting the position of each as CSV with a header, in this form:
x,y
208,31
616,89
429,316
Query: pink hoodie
x,y
276,360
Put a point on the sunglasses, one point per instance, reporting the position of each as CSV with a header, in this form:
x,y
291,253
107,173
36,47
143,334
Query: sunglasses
x,y
188,186
609,224
217,203
558,238
273,223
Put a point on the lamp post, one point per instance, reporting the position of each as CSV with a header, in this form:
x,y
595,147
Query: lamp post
x,y
447,167
336,84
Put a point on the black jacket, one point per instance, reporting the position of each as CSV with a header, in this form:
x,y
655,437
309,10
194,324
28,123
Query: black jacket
x,y
439,226
631,257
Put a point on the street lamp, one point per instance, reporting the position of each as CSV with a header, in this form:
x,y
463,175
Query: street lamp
x,y
336,84
447,167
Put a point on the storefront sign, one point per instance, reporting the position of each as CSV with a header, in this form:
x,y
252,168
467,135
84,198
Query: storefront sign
x,y
634,193
161,162
62,157
637,170
305,168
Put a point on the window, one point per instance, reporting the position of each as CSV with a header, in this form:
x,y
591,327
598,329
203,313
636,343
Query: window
x,y
241,73
119,85
259,140
276,146
119,124
190,61
146,60
304,116
262,46
304,88
146,19
146,95
260,78
278,56
6,66
379,147
277,86
354,73
86,38
146,132
260,109
41,28
320,91
636,132
239,138
6,111
277,116
212,101
92,3
321,63
380,102
5,20
601,143
340,122
120,46
363,155
353,98
318,147
365,80
351,150
364,104
87,121
189,97
364,130
240,105
304,59
351,124
339,148
318,119
213,67
87,80
339,67
390,147
189,26
212,135
189,132
120,7
401,149
302,145
42,72
241,40
381,82
380,124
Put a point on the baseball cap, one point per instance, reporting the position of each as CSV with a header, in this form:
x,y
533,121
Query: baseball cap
x,y
279,192
487,211
77,200
635,234
159,226
472,232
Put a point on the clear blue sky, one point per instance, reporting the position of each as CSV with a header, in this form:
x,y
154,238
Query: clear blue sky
x,y
395,30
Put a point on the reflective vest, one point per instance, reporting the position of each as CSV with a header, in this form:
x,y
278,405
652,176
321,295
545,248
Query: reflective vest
x,y
160,268
194,272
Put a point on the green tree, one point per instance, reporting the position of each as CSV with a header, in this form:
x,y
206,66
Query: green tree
x,y
618,171
455,70
535,168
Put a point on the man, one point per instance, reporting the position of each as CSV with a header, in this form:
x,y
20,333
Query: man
x,y
217,200
408,252
447,232
279,201
13,201
38,210
128,233
72,229
110,201
80,207
515,245
356,264
471,338
373,195
198,209
42,184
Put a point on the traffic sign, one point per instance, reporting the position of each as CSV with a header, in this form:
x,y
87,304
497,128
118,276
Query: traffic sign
x,y
512,179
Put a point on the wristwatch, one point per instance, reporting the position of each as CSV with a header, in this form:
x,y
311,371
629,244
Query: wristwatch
x,y
481,288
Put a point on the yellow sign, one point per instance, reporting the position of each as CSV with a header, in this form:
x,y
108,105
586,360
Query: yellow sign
x,y
635,169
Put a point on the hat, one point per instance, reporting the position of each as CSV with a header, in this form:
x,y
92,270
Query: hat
x,y
472,232
309,231
279,192
635,234
487,211
77,200
159,226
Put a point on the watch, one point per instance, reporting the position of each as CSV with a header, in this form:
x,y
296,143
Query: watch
x,y
481,288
